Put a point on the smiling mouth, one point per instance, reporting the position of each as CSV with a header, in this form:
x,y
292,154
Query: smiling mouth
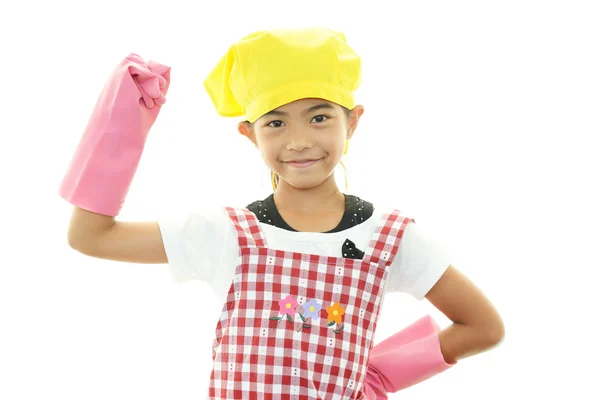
x,y
301,164
303,161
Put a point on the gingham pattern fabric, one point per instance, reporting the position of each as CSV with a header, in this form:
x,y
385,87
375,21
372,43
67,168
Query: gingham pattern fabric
x,y
299,326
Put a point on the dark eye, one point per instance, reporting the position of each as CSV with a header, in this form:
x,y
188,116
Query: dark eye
x,y
321,116
276,121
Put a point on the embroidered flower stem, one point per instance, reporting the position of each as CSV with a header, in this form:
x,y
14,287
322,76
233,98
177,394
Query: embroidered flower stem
x,y
339,329
335,313
304,324
289,318
287,308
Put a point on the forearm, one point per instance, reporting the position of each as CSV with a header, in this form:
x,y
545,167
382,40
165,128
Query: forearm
x,y
104,163
461,341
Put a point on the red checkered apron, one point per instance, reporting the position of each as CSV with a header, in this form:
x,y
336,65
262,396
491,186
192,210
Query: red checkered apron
x,y
299,326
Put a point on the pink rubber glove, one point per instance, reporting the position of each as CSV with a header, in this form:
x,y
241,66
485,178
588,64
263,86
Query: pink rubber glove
x,y
405,359
108,154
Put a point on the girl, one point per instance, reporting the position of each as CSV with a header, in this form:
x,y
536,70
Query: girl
x,y
303,273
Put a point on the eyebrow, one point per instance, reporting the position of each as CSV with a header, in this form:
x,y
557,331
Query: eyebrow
x,y
307,111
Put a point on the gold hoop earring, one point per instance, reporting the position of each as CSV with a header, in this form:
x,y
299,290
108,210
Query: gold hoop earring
x,y
343,166
345,174
273,181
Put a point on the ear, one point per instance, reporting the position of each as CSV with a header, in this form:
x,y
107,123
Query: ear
x,y
245,128
355,115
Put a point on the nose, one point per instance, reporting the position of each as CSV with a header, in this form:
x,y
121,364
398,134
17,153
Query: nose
x,y
298,141
298,145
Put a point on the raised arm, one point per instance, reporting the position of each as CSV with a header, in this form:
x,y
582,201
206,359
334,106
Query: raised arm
x,y
101,171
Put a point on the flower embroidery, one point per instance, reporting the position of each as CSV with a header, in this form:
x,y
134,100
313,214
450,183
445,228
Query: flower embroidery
x,y
311,309
334,316
287,307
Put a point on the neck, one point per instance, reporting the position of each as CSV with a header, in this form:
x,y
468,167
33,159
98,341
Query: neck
x,y
309,201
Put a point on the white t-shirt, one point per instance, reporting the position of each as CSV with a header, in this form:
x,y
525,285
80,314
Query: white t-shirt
x,y
203,245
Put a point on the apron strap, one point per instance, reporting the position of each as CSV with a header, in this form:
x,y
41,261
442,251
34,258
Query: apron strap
x,y
385,242
247,227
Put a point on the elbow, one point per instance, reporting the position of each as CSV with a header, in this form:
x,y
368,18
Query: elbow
x,y
79,244
73,240
497,334
77,247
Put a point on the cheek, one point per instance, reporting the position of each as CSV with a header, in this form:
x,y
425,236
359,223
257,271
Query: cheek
x,y
335,144
269,153
264,145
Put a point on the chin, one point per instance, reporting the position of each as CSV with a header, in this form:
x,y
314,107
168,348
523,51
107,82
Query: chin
x,y
306,183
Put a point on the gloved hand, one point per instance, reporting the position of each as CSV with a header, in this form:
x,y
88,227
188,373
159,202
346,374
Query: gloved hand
x,y
405,359
106,159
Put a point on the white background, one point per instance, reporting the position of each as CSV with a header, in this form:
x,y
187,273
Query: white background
x,y
481,122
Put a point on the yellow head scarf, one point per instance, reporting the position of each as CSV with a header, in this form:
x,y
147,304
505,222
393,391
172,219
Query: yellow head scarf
x,y
270,68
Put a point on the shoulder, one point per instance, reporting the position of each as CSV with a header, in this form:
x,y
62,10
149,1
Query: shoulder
x,y
194,242
358,210
382,209
255,206
260,207
191,224
357,202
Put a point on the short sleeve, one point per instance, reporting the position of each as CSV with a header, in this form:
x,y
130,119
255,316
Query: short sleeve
x,y
419,263
194,243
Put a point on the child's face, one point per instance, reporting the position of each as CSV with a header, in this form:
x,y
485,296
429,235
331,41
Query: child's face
x,y
306,129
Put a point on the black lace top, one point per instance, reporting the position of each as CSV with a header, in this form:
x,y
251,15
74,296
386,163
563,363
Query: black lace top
x,y
356,212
